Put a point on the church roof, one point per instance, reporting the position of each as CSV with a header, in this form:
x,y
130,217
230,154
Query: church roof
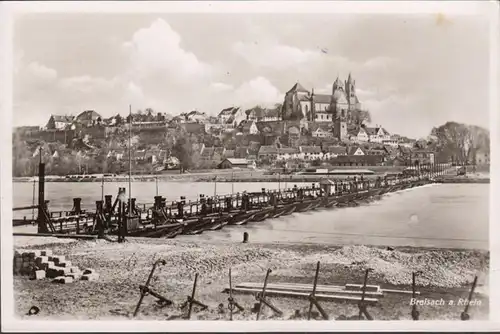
x,y
298,88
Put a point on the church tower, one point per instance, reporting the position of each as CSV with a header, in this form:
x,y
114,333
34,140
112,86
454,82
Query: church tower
x,y
350,90
339,108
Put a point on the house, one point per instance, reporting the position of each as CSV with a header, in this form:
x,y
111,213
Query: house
x,y
255,114
357,160
57,122
377,134
232,116
248,127
229,163
422,157
355,151
271,115
241,152
88,118
228,154
334,151
310,153
376,151
195,117
288,153
267,152
359,135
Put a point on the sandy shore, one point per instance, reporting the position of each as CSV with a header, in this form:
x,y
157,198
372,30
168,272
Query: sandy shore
x,y
446,274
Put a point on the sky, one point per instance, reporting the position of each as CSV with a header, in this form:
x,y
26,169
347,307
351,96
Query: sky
x,y
412,72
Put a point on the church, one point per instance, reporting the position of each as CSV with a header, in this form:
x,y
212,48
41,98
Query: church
x,y
300,104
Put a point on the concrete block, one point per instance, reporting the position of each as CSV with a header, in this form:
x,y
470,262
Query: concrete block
x,y
65,264
39,274
90,277
63,280
46,252
59,259
26,264
88,271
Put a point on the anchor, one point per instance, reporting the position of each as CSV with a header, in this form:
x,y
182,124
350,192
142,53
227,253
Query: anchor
x,y
232,303
191,300
465,315
313,300
415,314
146,290
261,297
362,305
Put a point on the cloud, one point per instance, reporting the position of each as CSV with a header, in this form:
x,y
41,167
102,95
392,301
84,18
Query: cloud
x,y
157,50
276,56
257,91
221,87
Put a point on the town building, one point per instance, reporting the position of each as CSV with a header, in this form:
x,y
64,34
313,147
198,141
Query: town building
x,y
58,122
88,118
230,163
232,116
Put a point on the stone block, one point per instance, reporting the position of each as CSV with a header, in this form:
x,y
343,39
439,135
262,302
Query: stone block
x,y
74,269
65,264
52,273
46,252
88,271
31,254
41,259
39,274
90,277
61,271
76,276
63,280
59,259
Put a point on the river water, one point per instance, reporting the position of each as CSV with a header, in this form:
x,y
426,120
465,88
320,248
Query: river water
x,y
444,215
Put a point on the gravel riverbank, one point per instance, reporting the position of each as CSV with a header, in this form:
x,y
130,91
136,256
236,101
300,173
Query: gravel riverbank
x,y
445,274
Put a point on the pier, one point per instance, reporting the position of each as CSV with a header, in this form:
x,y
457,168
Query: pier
x,y
122,217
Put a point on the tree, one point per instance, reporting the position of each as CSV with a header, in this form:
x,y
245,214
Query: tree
x,y
183,150
360,117
459,142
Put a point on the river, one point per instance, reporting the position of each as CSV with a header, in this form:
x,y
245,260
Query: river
x,y
443,216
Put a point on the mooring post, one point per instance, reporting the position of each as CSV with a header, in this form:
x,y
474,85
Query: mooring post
x,y
362,305
42,224
465,315
312,297
414,312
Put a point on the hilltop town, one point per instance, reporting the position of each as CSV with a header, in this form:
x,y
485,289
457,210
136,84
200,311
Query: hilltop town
x,y
305,130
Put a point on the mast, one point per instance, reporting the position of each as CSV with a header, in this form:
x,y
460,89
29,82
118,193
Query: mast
x,y
130,161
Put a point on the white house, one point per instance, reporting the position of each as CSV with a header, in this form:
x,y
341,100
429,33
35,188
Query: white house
x,y
232,116
321,133
287,153
334,151
310,153
356,151
360,136
196,117
377,134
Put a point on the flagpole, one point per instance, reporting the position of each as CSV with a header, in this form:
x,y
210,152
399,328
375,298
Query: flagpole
x,y
130,161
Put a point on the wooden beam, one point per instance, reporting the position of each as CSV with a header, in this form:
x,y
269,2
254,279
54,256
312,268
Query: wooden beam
x,y
338,290
67,236
278,293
